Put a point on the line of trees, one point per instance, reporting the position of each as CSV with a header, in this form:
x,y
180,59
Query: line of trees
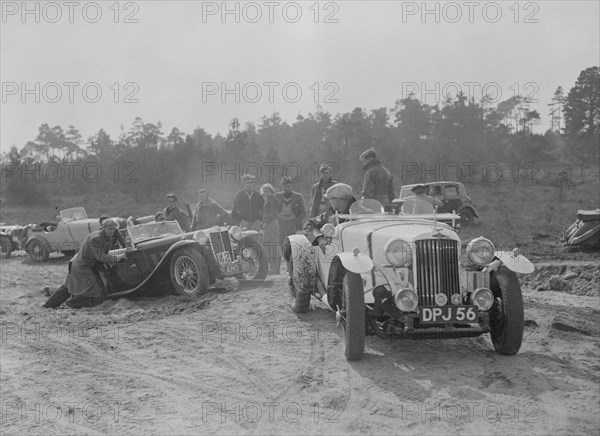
x,y
146,163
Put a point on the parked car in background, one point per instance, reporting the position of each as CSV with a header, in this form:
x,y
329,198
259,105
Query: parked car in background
x,y
404,276
163,257
585,231
10,239
67,234
452,194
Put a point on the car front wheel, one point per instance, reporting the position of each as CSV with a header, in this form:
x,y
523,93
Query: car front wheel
x,y
37,251
254,253
506,314
5,246
353,316
189,273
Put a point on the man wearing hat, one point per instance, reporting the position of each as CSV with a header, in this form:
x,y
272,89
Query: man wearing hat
x,y
173,213
340,197
319,202
420,203
292,210
378,182
208,212
248,205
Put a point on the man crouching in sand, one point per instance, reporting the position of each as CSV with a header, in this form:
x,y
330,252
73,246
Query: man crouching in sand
x,y
83,286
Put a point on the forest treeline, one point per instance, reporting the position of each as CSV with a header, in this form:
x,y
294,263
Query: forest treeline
x,y
414,140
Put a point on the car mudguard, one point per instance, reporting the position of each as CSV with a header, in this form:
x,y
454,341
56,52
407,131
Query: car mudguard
x,y
165,259
514,262
358,263
47,245
467,206
302,257
246,233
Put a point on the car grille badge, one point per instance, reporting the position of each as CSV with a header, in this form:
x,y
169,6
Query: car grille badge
x,y
439,235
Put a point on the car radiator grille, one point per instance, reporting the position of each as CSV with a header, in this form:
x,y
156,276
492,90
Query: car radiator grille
x,y
221,245
437,270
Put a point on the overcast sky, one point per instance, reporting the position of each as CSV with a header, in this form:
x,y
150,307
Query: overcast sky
x,y
175,61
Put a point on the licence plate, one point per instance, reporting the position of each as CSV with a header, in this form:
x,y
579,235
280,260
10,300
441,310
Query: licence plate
x,y
236,268
449,314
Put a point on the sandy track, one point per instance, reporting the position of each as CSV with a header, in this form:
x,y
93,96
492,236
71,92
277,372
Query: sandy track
x,y
238,361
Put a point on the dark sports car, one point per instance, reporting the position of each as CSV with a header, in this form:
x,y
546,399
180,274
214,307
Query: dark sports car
x,y
162,257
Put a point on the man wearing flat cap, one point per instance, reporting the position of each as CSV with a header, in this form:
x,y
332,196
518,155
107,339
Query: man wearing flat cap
x,y
248,205
378,182
420,203
174,213
291,212
319,203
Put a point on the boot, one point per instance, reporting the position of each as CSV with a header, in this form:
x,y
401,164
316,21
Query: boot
x,y
58,297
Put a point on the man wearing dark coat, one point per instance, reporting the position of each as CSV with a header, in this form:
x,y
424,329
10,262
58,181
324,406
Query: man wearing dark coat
x,y
378,181
319,203
291,210
173,213
248,205
208,212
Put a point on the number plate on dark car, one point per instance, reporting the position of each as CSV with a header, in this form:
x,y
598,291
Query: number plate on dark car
x,y
236,268
448,314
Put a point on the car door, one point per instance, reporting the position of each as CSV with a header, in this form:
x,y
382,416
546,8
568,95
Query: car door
x,y
452,201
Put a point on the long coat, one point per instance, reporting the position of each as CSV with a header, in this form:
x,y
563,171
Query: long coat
x,y
83,278
208,214
378,183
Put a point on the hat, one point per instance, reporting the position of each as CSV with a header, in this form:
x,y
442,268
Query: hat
x,y
368,154
286,181
173,196
202,191
109,222
417,187
324,167
339,190
248,178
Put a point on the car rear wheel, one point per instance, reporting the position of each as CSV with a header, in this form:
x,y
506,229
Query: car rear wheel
x,y
5,246
254,252
353,316
506,314
189,273
37,251
300,295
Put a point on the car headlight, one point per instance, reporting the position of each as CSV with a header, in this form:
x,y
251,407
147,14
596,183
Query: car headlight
x,y
235,232
200,237
398,252
328,230
482,298
406,300
480,251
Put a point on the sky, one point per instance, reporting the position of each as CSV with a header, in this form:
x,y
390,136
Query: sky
x,y
195,64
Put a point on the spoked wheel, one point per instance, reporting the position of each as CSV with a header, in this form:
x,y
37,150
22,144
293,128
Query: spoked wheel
x,y
506,314
254,252
352,316
5,246
189,273
37,251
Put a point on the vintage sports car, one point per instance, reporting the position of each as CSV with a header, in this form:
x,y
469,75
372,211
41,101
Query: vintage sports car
x,y
585,231
162,256
452,194
10,239
406,277
67,234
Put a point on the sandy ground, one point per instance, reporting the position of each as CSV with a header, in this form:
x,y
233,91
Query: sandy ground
x,y
238,361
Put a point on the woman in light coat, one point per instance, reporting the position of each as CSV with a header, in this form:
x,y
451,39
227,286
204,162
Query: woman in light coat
x,y
270,227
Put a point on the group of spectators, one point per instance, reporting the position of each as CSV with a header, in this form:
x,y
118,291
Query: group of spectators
x,y
275,214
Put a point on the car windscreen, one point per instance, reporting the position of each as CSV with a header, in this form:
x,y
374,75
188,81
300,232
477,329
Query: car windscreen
x,y
142,232
75,213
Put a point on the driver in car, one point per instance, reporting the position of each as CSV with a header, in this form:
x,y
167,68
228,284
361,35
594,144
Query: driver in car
x,y
340,197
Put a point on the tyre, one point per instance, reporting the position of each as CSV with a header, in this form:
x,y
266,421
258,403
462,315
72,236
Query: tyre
x,y
506,314
189,273
301,297
257,256
467,217
353,316
6,246
37,251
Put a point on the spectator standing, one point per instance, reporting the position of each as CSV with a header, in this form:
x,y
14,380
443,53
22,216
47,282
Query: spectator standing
x,y
248,205
378,181
208,212
292,210
318,202
270,225
172,212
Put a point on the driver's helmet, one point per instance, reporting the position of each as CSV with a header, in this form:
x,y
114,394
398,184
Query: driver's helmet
x,y
339,190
